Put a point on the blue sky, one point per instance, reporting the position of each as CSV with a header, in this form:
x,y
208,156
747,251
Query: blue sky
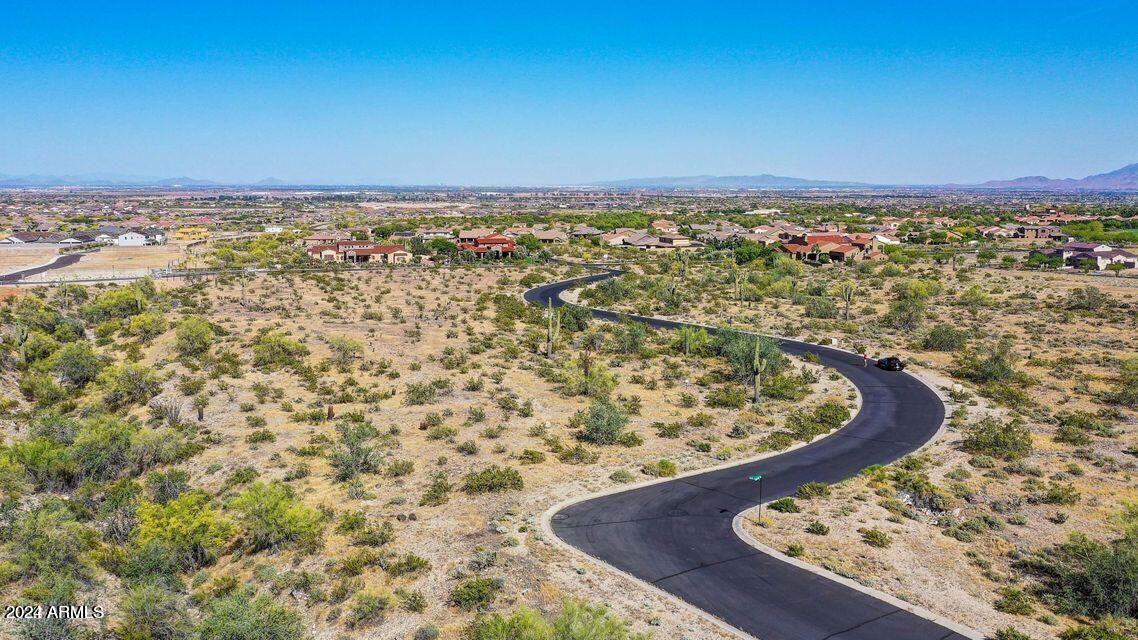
x,y
519,93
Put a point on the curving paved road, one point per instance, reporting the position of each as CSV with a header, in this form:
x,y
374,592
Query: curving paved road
x,y
678,535
58,263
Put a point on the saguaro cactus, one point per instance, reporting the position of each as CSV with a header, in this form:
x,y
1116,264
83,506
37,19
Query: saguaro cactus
x,y
552,330
759,364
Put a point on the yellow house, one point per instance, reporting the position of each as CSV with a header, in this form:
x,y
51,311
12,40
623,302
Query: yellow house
x,y
191,234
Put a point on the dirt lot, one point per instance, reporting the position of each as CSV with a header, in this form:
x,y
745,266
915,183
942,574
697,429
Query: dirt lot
x,y
130,262
16,257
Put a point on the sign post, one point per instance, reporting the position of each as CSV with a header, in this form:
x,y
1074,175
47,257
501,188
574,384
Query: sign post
x,y
759,479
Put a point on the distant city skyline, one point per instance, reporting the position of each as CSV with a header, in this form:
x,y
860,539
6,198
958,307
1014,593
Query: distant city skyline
x,y
516,94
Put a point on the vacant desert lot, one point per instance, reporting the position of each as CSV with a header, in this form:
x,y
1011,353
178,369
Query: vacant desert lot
x,y
15,258
120,261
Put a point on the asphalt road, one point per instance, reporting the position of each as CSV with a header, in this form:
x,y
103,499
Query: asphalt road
x,y
61,262
678,535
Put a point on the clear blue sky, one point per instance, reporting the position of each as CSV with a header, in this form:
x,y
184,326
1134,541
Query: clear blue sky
x,y
520,93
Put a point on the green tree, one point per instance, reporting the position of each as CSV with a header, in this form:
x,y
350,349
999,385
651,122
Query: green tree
x,y
148,326
602,423
188,529
193,336
272,517
75,364
1009,440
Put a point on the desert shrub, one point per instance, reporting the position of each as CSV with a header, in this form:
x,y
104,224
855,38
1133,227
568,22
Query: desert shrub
x,y
805,424
812,490
75,364
1125,388
575,318
407,564
399,468
187,529
438,492
102,448
240,617
727,397
531,456
994,365
373,535
274,350
784,387
272,517
1009,633
352,454
820,307
147,326
921,491
585,377
602,423
944,337
876,538
367,608
168,485
193,336
817,528
127,384
1105,629
659,468
493,479
261,435
120,302
576,621
48,540
476,593
1014,601
784,505
1008,440
419,394
1088,299
578,454
152,612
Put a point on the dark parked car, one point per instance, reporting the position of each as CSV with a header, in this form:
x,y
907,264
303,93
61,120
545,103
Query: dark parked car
x,y
892,363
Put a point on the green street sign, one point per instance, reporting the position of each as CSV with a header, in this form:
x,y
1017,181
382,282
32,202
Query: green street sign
x,y
756,478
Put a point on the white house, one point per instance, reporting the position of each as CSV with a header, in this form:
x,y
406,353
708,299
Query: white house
x,y
131,239
274,230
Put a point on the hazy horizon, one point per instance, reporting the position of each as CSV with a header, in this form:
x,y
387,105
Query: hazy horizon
x,y
512,94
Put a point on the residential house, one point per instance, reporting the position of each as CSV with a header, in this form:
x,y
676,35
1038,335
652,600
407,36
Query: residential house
x,y
551,236
617,237
1098,256
324,237
359,251
585,231
431,234
131,239
664,226
492,245
471,236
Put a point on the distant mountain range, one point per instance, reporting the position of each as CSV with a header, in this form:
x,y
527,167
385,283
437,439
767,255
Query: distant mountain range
x,y
1124,179
100,180
764,181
